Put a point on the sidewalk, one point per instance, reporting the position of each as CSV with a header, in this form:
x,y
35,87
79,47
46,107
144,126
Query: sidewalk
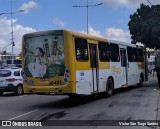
x,y
154,82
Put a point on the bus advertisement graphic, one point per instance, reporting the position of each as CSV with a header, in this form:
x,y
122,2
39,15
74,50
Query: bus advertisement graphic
x,y
44,56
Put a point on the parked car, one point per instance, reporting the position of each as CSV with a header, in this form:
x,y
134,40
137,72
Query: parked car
x,y
11,80
16,63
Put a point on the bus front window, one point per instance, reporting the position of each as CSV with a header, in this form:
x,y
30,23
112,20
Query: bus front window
x,y
44,56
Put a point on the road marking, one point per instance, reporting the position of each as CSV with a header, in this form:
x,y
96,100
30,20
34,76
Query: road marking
x,y
22,96
23,114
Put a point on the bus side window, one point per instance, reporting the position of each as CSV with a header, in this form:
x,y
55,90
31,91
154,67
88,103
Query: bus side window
x,y
135,55
104,52
81,49
141,55
114,50
130,54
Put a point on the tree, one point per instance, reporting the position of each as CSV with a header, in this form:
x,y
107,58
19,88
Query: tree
x,y
144,26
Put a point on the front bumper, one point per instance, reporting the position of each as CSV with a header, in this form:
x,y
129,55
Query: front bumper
x,y
9,88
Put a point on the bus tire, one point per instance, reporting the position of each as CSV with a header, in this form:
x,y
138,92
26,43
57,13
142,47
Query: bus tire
x,y
109,88
140,84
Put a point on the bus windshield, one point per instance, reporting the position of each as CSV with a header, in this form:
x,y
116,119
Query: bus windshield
x,y
44,55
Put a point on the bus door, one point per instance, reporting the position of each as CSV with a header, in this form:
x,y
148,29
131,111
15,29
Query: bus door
x,y
94,66
123,66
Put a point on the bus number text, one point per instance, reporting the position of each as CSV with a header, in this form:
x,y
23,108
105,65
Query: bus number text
x,y
53,83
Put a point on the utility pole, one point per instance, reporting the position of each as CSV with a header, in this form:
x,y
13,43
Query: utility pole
x,y
87,6
12,37
149,2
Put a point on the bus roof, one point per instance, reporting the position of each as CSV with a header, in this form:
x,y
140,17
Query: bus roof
x,y
101,38
79,34
89,36
121,43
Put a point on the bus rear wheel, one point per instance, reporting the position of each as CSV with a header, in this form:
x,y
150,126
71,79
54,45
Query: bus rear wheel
x,y
109,87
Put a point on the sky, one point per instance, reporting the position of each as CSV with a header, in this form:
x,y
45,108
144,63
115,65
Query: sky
x,y
109,20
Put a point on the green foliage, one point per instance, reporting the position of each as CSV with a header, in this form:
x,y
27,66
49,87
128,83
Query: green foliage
x,y
144,26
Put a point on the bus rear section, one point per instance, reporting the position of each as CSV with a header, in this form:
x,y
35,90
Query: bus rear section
x,y
46,63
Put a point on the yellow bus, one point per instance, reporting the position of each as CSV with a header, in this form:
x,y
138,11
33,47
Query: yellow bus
x,y
72,63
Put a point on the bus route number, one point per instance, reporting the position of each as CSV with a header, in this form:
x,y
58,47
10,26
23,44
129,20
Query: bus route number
x,y
53,83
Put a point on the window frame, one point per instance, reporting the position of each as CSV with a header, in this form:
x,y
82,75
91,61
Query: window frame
x,y
130,54
113,59
104,58
17,72
83,54
6,73
141,55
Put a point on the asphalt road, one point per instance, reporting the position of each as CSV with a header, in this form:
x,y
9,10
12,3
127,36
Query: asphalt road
x,y
130,103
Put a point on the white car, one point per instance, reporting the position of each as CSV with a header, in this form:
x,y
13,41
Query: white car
x,y
11,80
